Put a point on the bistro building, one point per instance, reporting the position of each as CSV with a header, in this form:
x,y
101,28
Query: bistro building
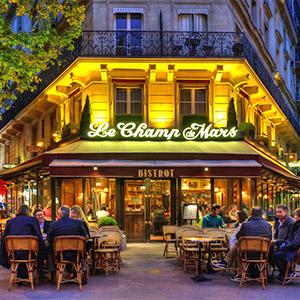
x,y
157,126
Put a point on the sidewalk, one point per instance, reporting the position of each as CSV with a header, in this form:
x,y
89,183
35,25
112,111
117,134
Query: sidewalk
x,y
145,274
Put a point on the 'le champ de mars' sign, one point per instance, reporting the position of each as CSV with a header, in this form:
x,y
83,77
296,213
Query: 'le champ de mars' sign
x,y
133,131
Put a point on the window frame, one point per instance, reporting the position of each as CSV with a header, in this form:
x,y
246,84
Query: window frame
x,y
129,87
193,87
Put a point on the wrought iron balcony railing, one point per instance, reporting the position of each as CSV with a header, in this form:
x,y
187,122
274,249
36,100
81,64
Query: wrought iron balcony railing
x,y
159,44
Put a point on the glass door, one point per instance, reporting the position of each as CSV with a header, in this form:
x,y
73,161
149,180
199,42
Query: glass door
x,y
147,207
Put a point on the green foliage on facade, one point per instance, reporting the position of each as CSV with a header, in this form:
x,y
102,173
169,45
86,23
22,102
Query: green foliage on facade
x,y
107,221
231,115
86,118
25,54
189,119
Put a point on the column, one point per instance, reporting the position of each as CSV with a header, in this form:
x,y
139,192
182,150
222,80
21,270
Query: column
x,y
53,197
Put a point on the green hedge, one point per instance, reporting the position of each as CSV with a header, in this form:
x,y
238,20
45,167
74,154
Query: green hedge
x,y
189,119
107,221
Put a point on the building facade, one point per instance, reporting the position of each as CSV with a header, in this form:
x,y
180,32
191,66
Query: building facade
x,y
191,103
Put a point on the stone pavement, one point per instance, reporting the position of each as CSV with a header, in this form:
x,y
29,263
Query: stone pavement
x,y
145,274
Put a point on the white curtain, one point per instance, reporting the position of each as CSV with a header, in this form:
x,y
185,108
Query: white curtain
x,y
192,22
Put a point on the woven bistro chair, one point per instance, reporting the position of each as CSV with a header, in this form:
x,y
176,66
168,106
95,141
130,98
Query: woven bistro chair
x,y
62,244
107,255
260,247
27,243
291,267
219,246
178,235
169,238
190,255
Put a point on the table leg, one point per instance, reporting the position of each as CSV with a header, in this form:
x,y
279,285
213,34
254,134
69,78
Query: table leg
x,y
200,276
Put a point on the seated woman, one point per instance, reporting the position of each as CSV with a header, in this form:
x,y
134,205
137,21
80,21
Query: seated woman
x,y
288,250
231,260
78,214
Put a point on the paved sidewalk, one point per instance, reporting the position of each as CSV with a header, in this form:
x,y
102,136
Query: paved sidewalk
x,y
145,274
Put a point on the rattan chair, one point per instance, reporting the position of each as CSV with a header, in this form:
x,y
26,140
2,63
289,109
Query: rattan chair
x,y
219,247
178,235
169,238
27,243
291,267
190,255
72,243
254,250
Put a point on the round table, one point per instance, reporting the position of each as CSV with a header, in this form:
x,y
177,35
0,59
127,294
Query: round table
x,y
201,240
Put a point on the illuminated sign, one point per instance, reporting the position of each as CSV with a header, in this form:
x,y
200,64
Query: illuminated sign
x,y
154,173
8,166
132,130
35,149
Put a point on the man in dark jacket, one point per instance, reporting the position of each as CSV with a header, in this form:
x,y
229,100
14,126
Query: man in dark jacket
x,y
44,224
288,250
63,227
283,224
22,224
255,226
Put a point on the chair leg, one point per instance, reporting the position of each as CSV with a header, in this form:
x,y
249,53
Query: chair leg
x,y
286,273
29,267
79,274
60,275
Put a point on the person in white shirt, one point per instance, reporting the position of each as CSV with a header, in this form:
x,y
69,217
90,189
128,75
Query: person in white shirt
x,y
102,212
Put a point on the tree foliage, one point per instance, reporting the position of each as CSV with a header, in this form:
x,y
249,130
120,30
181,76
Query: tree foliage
x,y
231,115
23,55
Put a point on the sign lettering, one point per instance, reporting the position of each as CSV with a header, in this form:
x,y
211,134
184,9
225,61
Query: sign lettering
x,y
8,166
156,173
132,130
34,149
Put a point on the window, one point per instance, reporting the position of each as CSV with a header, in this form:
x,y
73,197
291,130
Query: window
x,y
65,113
193,101
192,22
129,100
128,36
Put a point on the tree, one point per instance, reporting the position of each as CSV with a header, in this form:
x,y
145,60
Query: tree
x,y
25,54
86,118
231,115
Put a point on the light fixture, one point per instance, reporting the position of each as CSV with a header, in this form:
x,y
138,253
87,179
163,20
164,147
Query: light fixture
x,y
98,183
217,189
105,190
40,144
54,134
95,168
205,169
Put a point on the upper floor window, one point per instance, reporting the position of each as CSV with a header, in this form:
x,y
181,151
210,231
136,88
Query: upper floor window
x,y
128,36
129,100
193,101
192,22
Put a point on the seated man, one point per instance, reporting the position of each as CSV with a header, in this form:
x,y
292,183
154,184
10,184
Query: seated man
x,y
44,224
213,220
282,227
288,250
64,226
255,226
22,224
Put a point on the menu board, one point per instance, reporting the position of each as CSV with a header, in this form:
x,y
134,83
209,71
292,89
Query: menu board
x,y
190,212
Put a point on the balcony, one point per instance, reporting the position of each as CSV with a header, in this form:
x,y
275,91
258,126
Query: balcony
x,y
159,44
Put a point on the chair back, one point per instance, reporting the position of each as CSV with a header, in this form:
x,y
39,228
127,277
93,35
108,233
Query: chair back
x,y
22,242
181,229
215,232
28,243
252,244
113,237
94,231
297,260
112,227
69,243
169,231
189,233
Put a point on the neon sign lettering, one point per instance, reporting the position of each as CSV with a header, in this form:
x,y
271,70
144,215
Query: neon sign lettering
x,y
141,131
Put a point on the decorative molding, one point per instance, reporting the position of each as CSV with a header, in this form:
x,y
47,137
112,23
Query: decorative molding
x,y
128,10
202,11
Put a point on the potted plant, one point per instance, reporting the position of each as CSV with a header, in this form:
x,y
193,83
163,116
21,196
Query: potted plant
x,y
107,221
231,115
238,49
248,129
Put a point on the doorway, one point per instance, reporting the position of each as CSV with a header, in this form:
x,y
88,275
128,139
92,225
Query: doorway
x,y
147,207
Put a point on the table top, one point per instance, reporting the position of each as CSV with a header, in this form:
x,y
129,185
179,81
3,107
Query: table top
x,y
201,239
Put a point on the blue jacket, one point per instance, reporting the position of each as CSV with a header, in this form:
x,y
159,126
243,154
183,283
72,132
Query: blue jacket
x,y
255,226
65,226
21,225
293,244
